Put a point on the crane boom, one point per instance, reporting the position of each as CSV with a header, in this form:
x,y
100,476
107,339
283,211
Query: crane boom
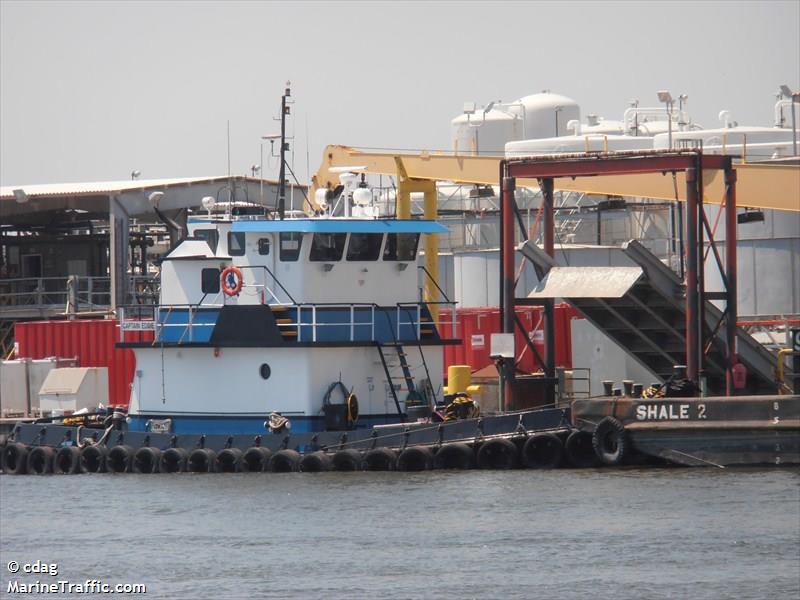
x,y
760,185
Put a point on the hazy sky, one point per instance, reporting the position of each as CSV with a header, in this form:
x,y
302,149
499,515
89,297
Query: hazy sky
x,y
91,90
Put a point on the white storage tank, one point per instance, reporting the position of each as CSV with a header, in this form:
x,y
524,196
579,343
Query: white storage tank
x,y
486,130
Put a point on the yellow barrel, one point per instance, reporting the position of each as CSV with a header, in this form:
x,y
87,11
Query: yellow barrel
x,y
459,378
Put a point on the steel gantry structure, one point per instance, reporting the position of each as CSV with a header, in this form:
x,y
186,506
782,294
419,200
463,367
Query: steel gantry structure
x,y
694,166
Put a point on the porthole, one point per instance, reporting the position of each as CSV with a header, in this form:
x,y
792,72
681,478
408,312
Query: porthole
x,y
265,371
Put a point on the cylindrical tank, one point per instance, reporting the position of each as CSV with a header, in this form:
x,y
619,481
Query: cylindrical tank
x,y
536,116
577,143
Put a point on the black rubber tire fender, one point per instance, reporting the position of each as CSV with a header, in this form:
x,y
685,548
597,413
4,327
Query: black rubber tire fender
x,y
415,458
146,460
15,458
543,451
457,455
67,461
284,461
40,460
380,459
255,459
201,460
498,453
93,458
610,441
579,450
119,459
173,460
229,460
347,460
316,462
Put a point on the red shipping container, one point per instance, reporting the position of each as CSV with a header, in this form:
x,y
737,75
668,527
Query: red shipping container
x,y
91,341
475,325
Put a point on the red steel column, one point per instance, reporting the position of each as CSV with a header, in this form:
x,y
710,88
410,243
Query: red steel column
x,y
730,274
692,296
508,276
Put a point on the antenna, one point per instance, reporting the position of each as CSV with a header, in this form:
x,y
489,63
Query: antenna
x,y
229,147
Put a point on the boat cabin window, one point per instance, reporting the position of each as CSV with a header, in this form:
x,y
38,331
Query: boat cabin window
x,y
209,281
211,236
290,242
236,243
327,247
263,246
401,246
364,246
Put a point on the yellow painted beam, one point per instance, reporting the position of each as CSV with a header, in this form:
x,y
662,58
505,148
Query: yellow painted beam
x,y
758,186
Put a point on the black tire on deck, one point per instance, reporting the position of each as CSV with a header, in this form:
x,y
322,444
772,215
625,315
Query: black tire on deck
x,y
173,460
67,461
229,460
380,459
579,450
93,458
542,451
454,456
201,460
40,460
146,460
255,459
610,441
316,462
347,460
15,458
415,458
498,453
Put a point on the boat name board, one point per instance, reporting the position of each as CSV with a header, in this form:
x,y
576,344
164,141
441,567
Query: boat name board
x,y
138,325
670,411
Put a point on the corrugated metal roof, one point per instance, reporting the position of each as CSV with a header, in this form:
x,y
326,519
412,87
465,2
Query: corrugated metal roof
x,y
104,188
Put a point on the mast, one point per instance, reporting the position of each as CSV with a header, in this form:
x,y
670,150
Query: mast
x,y
285,108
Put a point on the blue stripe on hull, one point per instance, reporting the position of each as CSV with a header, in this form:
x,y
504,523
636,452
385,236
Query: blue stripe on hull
x,y
247,425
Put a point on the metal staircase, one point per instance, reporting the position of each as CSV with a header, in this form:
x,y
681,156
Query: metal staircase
x,y
642,309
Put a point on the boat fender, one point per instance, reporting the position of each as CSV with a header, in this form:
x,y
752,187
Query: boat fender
x,y
316,462
229,460
231,280
454,456
93,458
380,459
173,460
15,458
347,460
119,459
415,458
542,451
201,460
40,460
67,461
284,461
498,453
146,460
610,441
579,450
255,459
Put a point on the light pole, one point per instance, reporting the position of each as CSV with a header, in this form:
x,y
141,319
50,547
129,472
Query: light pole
x,y
665,97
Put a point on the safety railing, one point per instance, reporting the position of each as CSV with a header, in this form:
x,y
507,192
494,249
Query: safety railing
x,y
87,293
310,322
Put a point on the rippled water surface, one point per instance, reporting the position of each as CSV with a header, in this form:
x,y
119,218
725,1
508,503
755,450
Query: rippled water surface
x,y
663,533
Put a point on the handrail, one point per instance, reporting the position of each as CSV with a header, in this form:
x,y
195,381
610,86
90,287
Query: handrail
x,y
441,291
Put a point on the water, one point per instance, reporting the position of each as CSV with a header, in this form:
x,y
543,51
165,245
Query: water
x,y
662,533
